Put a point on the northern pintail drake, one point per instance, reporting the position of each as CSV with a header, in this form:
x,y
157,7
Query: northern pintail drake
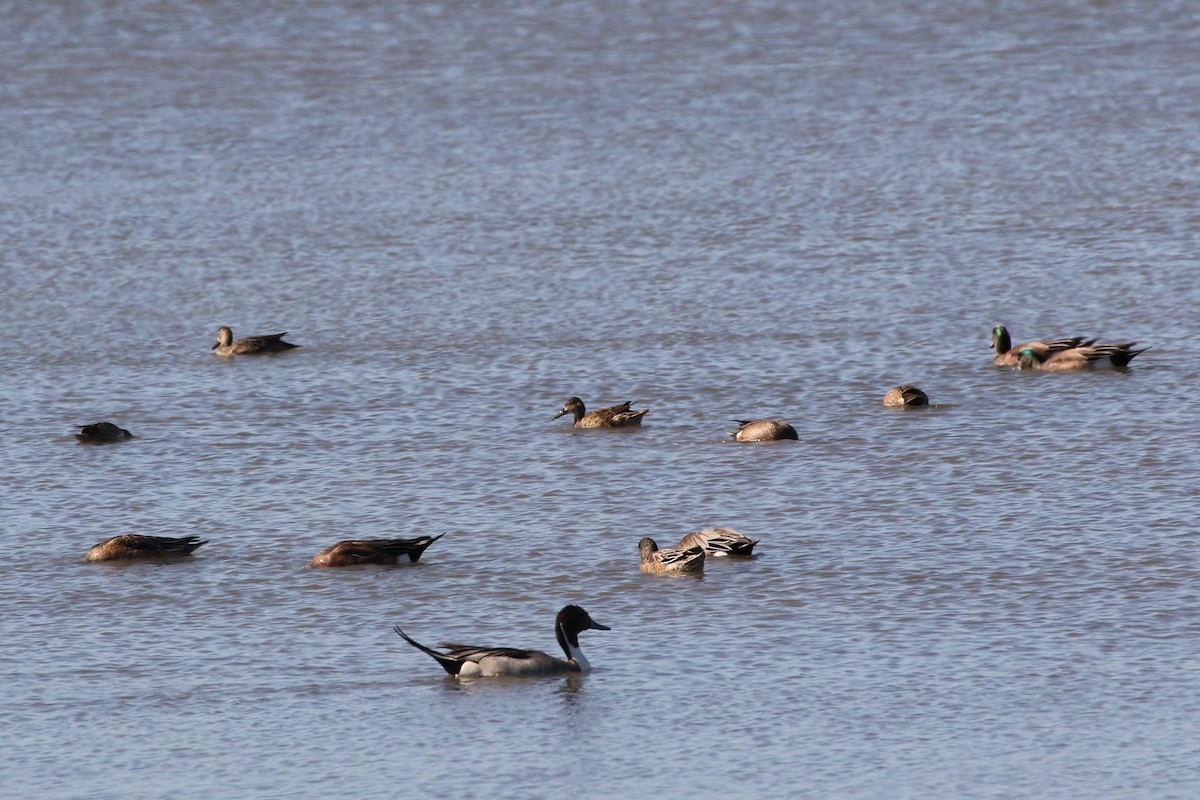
x,y
135,546
763,430
102,433
1006,355
352,552
719,542
906,395
1097,356
251,345
612,417
463,661
670,560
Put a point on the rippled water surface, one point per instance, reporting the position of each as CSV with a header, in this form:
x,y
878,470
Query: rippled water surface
x,y
466,214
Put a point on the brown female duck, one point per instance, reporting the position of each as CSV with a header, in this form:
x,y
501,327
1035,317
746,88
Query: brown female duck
x,y
905,396
251,345
612,417
353,552
670,560
139,547
763,430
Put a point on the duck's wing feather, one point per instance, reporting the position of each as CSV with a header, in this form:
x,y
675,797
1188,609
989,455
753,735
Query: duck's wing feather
x,y
678,555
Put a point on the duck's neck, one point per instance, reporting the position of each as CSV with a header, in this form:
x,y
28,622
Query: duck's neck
x,y
570,646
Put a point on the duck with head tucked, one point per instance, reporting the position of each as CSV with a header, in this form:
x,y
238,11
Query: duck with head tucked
x,y
251,345
354,552
719,542
1098,356
464,661
1005,355
906,396
763,430
612,417
670,560
102,433
139,547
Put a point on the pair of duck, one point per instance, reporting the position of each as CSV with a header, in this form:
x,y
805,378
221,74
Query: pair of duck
x,y
1060,355
467,661
693,549
623,416
348,553
107,432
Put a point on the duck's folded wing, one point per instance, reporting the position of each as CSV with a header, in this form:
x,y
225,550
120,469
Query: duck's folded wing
x,y
462,652
677,555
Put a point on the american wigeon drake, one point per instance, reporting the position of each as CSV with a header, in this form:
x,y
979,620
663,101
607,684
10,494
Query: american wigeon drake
x,y
464,661
353,552
719,542
1098,356
102,433
670,560
138,547
612,417
906,395
251,345
763,430
1005,355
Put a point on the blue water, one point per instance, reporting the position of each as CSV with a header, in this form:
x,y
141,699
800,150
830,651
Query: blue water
x,y
466,215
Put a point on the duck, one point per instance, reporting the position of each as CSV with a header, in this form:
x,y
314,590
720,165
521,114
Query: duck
x,y
352,552
463,661
719,542
905,396
670,560
763,430
621,416
102,433
1098,356
1006,355
136,546
251,345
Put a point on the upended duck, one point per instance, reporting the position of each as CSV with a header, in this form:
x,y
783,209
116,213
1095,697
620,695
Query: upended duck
x,y
353,552
763,430
621,416
1098,356
906,396
251,345
719,542
670,560
1005,355
102,433
463,661
139,547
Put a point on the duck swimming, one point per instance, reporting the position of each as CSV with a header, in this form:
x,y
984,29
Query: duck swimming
x,y
719,542
905,396
612,417
763,430
102,433
136,546
670,560
251,345
1006,355
1098,356
463,661
353,552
